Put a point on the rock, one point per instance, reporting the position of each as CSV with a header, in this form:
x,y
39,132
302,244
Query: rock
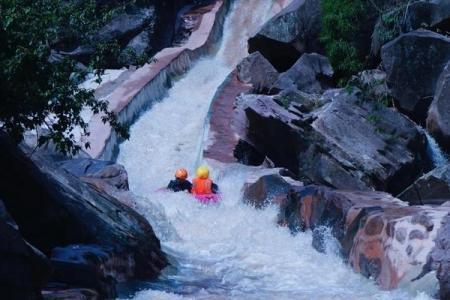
x,y
71,294
139,46
413,63
349,142
266,186
381,236
431,188
54,208
227,117
124,26
23,269
439,259
427,14
103,175
438,121
372,83
91,266
312,73
289,34
257,71
433,15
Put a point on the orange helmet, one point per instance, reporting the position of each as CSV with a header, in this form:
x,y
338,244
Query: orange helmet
x,y
181,174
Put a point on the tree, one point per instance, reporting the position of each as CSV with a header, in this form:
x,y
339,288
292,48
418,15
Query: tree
x,y
37,89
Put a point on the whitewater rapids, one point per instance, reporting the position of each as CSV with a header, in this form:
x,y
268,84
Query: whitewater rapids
x,y
230,250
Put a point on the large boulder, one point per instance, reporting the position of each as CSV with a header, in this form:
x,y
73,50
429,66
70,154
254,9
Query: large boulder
x,y
289,34
431,188
413,63
380,236
345,141
24,270
226,117
126,25
438,121
91,266
54,208
312,73
266,186
257,71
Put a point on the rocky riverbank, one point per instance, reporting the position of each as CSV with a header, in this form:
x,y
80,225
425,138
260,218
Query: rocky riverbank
x,y
353,143
352,157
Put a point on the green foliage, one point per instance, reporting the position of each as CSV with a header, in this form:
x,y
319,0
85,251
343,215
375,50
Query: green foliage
x,y
342,34
347,27
39,91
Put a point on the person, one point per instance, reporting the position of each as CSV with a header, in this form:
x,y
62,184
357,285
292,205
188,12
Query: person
x,y
180,183
202,185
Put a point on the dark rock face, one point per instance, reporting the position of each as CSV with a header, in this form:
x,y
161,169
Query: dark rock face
x,y
257,71
54,208
312,73
91,266
413,63
71,294
433,14
289,34
431,188
380,236
23,269
347,143
267,186
438,121
124,26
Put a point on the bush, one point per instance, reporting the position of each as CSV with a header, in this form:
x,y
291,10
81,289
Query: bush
x,y
347,26
39,89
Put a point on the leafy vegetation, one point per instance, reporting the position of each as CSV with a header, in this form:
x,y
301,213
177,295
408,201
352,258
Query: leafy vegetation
x,y
347,27
40,88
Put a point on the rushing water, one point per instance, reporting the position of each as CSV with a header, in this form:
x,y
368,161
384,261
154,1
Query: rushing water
x,y
230,250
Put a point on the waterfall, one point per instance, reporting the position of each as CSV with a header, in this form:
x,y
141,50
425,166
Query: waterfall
x,y
434,151
229,250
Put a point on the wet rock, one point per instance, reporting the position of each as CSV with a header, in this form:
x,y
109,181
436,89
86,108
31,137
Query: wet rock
x,y
71,294
126,25
267,186
312,73
54,208
289,34
227,118
438,121
24,270
105,176
348,142
431,188
364,222
413,63
257,71
440,258
91,266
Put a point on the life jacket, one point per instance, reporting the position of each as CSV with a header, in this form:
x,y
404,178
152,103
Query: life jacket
x,y
201,186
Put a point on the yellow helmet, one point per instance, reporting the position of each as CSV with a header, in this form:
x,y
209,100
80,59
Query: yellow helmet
x,y
203,172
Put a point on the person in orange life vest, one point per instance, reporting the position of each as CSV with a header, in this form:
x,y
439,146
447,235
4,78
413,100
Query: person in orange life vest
x,y
180,183
202,185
